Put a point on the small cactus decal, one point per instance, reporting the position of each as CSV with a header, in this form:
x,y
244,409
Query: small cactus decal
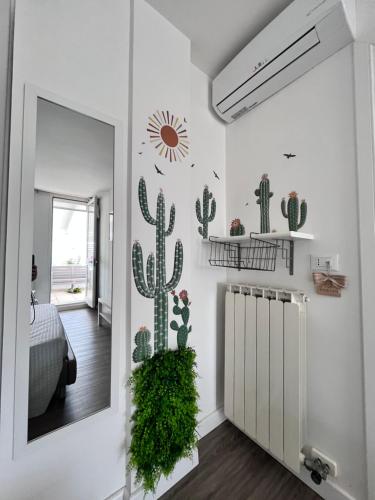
x,y
202,216
264,194
156,287
236,228
292,212
182,330
142,341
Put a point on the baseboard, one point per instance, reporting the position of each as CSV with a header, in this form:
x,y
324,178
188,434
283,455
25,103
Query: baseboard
x,y
210,422
328,489
118,495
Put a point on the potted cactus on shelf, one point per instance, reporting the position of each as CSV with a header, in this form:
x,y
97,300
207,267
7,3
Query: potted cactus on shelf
x,y
293,211
236,228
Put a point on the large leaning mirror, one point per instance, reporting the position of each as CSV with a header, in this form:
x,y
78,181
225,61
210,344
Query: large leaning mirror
x,y
71,269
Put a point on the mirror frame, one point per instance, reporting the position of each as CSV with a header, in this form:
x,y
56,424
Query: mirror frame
x,y
24,250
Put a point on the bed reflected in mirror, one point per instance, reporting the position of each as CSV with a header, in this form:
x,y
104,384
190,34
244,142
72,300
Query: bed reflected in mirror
x,y
71,269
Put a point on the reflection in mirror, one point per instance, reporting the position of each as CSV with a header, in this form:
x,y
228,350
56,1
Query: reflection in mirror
x,y
71,299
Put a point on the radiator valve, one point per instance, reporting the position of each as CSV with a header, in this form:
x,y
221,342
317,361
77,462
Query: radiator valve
x,y
319,470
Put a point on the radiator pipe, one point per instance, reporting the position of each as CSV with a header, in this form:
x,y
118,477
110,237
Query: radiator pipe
x,y
319,470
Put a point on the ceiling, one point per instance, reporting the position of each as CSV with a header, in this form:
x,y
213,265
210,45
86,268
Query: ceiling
x,y
74,152
218,29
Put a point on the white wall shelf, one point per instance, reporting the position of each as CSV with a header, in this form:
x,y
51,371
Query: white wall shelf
x,y
255,251
287,236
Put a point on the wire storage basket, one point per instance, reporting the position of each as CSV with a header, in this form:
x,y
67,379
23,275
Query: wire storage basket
x,y
256,254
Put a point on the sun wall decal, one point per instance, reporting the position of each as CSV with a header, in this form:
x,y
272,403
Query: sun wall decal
x,y
169,135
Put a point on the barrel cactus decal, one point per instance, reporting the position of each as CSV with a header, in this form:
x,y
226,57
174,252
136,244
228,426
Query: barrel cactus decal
x,y
183,311
155,285
264,194
236,228
203,216
142,341
292,212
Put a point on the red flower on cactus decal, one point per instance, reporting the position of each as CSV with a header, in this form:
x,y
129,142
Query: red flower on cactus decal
x,y
183,295
173,292
235,223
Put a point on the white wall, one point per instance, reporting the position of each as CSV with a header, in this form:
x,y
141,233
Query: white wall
x,y
43,211
159,84
208,154
364,58
161,81
313,118
170,82
78,50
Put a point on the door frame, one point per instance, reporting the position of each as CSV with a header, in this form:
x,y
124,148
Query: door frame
x,y
74,199
94,294
364,87
19,245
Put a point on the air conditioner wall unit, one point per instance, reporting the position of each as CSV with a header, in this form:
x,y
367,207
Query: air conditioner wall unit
x,y
303,35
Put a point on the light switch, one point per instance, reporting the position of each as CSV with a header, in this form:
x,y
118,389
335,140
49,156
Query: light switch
x,y
325,264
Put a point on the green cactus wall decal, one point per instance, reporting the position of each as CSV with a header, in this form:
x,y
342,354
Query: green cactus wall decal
x,y
182,330
142,341
156,287
202,216
292,213
264,194
236,228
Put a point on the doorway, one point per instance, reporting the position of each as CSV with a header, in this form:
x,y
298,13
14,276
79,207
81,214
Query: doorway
x,y
73,256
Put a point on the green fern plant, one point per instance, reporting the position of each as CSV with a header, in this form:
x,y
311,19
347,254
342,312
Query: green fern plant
x,y
165,418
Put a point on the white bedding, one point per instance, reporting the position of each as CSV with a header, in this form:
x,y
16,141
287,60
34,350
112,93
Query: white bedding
x,y
48,347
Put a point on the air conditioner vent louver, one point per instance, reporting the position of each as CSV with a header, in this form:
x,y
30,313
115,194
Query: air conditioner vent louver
x,y
243,110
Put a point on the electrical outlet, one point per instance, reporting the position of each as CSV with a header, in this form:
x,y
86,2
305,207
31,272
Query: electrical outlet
x,y
325,264
315,453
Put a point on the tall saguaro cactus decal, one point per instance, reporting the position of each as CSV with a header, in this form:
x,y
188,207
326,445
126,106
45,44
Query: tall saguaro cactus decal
x,y
292,213
264,194
156,287
202,216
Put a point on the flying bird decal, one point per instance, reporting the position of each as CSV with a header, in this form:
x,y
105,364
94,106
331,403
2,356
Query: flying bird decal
x,y
289,155
158,171
215,174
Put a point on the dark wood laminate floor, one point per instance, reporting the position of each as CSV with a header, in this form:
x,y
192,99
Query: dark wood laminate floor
x,y
91,391
232,467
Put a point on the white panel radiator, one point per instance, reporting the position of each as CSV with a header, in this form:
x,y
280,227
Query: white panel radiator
x,y
265,361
